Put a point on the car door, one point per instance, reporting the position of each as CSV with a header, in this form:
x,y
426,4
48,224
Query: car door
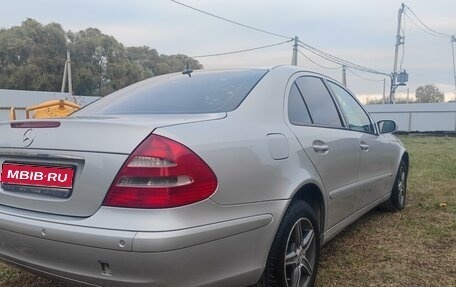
x,y
375,174
334,150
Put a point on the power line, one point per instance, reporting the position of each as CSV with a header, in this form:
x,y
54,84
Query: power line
x,y
231,21
339,61
344,63
314,50
241,51
423,29
185,57
324,67
364,78
426,26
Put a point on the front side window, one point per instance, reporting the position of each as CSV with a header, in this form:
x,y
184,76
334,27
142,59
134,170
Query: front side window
x,y
356,116
321,106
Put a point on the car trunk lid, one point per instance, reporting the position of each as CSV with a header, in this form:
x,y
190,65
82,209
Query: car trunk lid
x,y
90,149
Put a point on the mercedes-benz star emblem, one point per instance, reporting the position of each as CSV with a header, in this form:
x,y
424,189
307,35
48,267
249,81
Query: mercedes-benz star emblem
x,y
28,137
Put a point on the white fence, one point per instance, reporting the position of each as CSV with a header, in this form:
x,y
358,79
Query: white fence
x,y
439,117
410,117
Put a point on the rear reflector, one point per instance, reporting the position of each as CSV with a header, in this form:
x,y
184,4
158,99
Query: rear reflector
x,y
161,173
34,124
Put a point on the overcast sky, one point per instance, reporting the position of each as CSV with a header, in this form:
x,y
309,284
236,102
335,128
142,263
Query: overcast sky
x,y
360,31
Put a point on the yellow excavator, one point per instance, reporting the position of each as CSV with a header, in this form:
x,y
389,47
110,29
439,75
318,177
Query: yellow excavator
x,y
53,108
49,109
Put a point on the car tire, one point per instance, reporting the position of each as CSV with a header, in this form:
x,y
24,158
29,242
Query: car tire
x,y
295,251
397,200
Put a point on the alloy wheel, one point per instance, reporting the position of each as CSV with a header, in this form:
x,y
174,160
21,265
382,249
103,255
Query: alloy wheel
x,y
401,188
300,254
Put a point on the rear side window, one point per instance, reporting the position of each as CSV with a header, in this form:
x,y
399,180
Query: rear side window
x,y
203,92
321,106
297,109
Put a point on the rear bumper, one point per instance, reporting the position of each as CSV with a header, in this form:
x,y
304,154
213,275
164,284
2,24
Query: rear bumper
x,y
128,240
225,262
226,253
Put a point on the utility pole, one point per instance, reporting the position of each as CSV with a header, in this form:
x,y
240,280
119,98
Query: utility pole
x,y
384,90
344,75
399,41
67,71
294,59
453,40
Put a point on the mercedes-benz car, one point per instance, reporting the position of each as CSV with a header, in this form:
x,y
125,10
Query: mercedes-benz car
x,y
230,177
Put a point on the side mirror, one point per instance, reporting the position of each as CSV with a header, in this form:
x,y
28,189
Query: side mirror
x,y
387,126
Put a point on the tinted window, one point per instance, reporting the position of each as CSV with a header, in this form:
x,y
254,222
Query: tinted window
x,y
204,92
297,110
319,101
356,116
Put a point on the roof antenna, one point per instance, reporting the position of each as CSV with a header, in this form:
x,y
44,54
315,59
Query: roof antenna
x,y
187,71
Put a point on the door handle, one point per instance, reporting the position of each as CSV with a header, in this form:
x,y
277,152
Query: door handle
x,y
320,147
364,146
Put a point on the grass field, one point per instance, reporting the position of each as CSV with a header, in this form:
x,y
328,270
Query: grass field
x,y
416,247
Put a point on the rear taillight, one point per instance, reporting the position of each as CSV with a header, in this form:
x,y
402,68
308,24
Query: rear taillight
x,y
161,173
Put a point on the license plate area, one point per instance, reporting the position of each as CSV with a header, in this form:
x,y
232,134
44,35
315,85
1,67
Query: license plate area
x,y
51,180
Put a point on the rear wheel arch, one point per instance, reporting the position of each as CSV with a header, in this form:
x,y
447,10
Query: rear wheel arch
x,y
309,195
312,195
405,158
295,250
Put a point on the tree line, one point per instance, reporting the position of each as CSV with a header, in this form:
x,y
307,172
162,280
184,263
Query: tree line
x,y
423,94
32,57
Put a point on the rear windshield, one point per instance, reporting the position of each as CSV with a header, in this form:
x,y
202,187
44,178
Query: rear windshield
x,y
203,92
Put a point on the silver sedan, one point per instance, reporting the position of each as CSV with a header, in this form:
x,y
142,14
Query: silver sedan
x,y
207,178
